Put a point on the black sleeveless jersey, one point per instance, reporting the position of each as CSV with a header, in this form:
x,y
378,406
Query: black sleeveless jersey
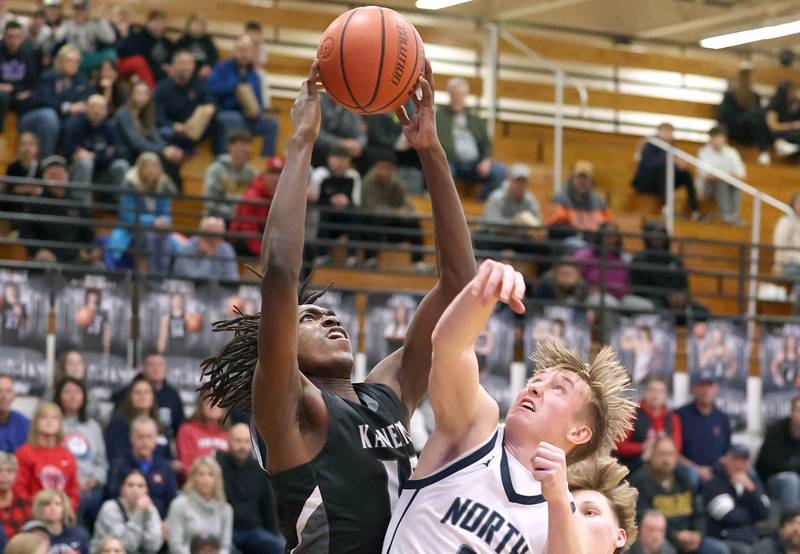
x,y
341,501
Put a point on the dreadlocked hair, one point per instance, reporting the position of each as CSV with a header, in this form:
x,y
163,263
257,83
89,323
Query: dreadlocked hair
x,y
605,475
609,411
228,374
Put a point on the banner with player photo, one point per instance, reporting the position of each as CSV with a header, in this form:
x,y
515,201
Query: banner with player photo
x,y
24,307
645,345
93,316
779,358
386,323
495,351
717,350
562,324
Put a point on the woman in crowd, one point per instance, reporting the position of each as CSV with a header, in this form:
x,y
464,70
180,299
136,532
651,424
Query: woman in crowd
x,y
201,509
84,439
52,507
26,543
743,116
106,82
111,545
146,201
202,435
26,166
199,43
15,510
783,119
131,516
139,400
43,461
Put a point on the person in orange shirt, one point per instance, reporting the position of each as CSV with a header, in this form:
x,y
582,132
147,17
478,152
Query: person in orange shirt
x,y
202,435
577,208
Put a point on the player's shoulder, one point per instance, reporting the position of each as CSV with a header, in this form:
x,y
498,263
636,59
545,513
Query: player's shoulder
x,y
382,393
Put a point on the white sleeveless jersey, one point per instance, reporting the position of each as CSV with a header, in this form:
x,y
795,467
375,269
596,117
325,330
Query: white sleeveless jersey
x,y
484,501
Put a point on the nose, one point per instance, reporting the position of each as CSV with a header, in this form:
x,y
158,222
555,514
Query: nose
x,y
331,321
536,388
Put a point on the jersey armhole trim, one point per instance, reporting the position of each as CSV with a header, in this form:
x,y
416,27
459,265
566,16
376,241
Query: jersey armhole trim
x,y
454,467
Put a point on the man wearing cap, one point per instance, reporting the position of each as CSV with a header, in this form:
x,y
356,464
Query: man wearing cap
x,y
577,208
778,461
92,36
251,217
735,502
706,428
77,237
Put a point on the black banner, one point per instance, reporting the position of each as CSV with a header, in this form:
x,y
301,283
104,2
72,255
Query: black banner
x,y
646,346
779,358
562,324
24,307
495,351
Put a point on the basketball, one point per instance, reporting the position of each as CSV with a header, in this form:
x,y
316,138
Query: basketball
x,y
370,59
84,316
194,322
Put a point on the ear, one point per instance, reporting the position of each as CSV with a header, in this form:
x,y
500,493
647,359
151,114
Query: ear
x,y
580,435
621,538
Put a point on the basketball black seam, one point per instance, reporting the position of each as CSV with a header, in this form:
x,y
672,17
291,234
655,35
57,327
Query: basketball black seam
x,y
380,63
341,61
410,77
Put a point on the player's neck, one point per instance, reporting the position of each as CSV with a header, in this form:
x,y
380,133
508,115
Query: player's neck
x,y
519,452
342,388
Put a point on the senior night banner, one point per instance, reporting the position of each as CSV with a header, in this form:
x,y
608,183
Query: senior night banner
x,y
779,358
645,345
495,351
386,324
563,325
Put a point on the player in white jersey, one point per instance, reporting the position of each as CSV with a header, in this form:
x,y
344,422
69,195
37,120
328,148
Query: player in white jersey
x,y
481,487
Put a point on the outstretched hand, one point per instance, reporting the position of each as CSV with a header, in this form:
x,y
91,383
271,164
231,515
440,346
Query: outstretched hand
x,y
498,281
420,129
306,110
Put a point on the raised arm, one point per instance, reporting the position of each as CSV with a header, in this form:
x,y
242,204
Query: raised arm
x,y
407,370
278,386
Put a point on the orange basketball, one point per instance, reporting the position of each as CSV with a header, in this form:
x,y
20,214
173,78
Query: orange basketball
x,y
194,322
84,316
370,59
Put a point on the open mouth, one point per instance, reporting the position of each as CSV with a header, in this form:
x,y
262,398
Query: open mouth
x,y
337,333
528,405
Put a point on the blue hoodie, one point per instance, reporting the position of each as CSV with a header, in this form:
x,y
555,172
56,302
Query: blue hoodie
x,y
224,79
161,483
55,90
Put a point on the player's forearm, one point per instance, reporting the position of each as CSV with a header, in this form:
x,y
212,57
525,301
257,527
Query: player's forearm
x,y
562,530
461,323
453,242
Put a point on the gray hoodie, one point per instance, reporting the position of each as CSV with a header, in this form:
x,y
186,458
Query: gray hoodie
x,y
85,442
225,182
189,515
140,532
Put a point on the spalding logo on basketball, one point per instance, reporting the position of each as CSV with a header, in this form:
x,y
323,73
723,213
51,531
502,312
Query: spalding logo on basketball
x,y
370,59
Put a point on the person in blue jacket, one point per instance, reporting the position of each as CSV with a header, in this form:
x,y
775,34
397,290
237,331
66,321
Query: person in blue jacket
x,y
223,82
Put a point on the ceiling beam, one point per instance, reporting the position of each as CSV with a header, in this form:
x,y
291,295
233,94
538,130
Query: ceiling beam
x,y
730,15
541,7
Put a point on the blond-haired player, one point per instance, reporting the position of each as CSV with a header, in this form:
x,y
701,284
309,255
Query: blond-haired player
x,y
485,487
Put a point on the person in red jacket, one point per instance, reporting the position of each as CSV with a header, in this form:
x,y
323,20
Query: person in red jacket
x,y
202,435
44,462
251,217
653,420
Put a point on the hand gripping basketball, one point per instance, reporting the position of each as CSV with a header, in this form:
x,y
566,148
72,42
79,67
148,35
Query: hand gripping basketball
x,y
305,111
420,130
501,282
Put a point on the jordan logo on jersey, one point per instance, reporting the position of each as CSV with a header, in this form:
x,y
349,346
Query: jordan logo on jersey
x,y
488,525
391,436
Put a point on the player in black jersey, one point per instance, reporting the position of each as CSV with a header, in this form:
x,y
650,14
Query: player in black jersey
x,y
172,333
96,336
337,451
13,316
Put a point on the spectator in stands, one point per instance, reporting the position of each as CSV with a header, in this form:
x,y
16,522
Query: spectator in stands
x,y
53,13
201,509
786,240
663,486
778,461
196,40
735,502
653,420
385,137
43,461
604,267
107,83
161,484
787,539
207,254
40,35
236,85
26,166
83,437
577,208
706,430
146,201
652,535
783,119
18,71
658,274
251,217
111,545
337,186
52,507
131,516
338,127
139,401
563,284
383,192
60,91
255,529
146,50
14,426
651,174
741,113
203,434
27,543
14,510
184,107
464,138
226,179
6,17
720,155
94,36
255,31
92,145
513,203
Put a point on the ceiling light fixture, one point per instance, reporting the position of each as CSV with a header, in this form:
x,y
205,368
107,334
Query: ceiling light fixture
x,y
438,4
751,35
